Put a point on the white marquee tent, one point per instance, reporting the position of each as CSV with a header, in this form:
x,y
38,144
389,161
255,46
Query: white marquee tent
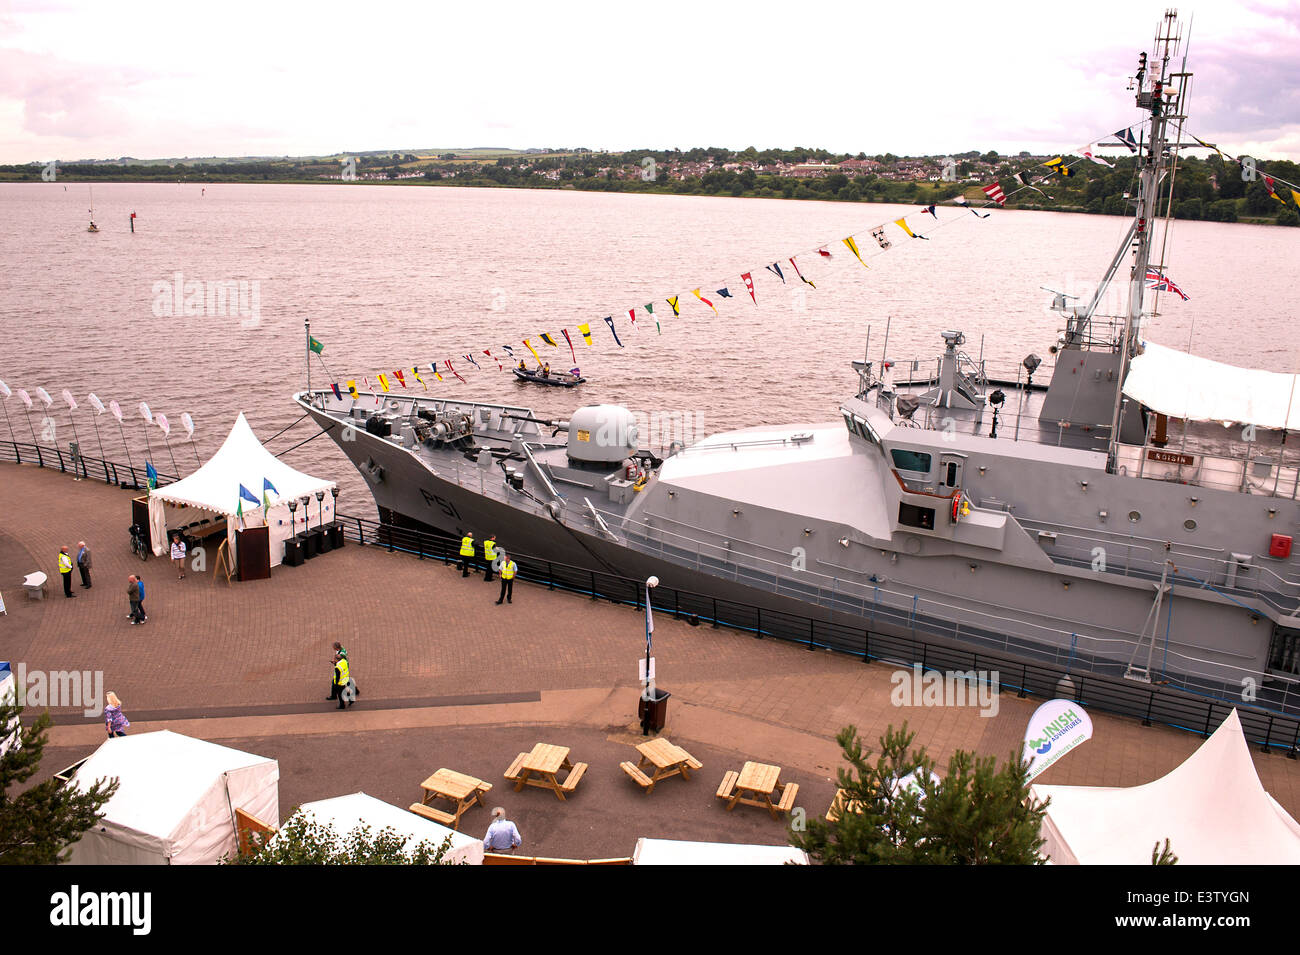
x,y
1212,808
176,800
241,461
345,813
674,852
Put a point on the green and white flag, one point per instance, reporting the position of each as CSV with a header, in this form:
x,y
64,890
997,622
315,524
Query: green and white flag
x,y
1056,727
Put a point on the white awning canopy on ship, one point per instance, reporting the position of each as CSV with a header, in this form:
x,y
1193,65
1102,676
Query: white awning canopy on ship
x,y
1213,810
242,461
1180,385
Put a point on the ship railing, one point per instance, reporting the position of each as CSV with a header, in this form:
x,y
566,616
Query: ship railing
x,y
959,616
1144,558
884,629
1017,425
1247,467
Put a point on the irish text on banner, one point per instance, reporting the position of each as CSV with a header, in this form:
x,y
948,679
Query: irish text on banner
x,y
1056,727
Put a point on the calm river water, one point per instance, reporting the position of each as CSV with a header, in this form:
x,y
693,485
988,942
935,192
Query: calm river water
x,y
396,276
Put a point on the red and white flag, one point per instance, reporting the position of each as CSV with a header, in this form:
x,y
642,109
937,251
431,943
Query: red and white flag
x,y
749,284
995,193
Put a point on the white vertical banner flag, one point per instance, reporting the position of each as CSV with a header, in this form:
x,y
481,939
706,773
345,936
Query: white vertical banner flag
x,y
188,423
146,413
1056,727
95,403
114,407
44,396
25,398
71,402
160,419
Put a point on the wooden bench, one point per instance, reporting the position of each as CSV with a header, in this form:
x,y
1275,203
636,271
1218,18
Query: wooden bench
x,y
575,776
436,815
787,797
728,784
694,763
638,777
516,768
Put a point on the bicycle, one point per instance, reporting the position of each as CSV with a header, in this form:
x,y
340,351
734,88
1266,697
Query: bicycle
x,y
138,545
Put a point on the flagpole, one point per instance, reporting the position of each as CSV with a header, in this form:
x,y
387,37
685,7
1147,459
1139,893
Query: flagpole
x,y
650,584
307,323
172,456
125,446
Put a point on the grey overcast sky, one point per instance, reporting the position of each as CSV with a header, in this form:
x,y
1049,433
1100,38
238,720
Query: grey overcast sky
x,y
83,79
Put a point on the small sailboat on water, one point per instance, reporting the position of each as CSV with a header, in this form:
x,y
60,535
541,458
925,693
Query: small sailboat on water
x,y
93,227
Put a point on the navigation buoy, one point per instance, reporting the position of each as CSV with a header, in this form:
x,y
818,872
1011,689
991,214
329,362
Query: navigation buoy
x,y
133,223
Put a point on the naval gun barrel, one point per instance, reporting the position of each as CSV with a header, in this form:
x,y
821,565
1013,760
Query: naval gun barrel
x,y
559,423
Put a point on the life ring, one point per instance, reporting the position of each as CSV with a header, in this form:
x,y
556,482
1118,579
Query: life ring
x,y
956,506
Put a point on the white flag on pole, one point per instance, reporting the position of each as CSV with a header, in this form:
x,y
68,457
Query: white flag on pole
x,y
96,403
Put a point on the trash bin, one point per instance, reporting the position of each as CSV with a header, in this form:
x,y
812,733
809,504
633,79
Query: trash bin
x,y
653,713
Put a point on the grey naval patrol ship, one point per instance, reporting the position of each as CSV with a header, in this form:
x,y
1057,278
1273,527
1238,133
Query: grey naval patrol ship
x,y
1043,513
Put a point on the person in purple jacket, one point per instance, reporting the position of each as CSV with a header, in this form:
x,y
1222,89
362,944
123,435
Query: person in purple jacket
x,y
114,719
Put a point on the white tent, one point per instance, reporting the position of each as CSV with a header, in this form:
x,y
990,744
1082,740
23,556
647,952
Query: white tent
x,y
1212,808
176,800
345,813
8,734
1180,385
242,462
673,852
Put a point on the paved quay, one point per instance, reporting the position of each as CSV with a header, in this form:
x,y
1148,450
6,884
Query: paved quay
x,y
450,679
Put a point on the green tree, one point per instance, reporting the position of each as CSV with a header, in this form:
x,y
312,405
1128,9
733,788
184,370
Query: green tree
x,y
305,841
38,825
1288,216
977,815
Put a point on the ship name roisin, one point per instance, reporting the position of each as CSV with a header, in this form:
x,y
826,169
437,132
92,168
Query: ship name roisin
x,y
1169,457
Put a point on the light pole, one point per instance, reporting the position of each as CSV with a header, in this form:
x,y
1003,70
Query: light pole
x,y
648,697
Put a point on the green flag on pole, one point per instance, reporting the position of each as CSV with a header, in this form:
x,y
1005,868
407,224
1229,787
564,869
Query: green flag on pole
x,y
314,345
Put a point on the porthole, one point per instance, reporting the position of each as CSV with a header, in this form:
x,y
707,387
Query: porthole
x,y
1134,517
1189,524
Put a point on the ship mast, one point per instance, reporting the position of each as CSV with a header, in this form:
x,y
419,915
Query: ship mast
x,y
1160,94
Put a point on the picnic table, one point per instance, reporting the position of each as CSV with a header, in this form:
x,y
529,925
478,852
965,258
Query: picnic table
x,y
461,790
541,768
755,785
666,758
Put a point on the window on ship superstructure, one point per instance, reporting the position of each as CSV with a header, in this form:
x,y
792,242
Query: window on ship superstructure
x,y
916,461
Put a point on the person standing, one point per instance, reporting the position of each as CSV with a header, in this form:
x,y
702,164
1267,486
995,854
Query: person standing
x,y
115,720
143,613
489,555
339,687
65,570
502,834
178,556
508,570
133,594
466,553
83,564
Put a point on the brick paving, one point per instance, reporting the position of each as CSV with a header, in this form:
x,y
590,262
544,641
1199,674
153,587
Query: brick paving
x,y
449,678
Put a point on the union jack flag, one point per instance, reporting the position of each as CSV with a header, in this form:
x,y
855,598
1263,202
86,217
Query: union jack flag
x,y
1162,283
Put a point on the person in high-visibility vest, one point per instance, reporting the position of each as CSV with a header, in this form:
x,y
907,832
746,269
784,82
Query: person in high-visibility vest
x,y
508,571
489,555
342,688
466,553
65,569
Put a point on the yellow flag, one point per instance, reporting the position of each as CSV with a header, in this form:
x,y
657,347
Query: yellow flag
x,y
696,293
416,372
853,247
902,224
585,328
673,302
383,381
352,389
533,350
